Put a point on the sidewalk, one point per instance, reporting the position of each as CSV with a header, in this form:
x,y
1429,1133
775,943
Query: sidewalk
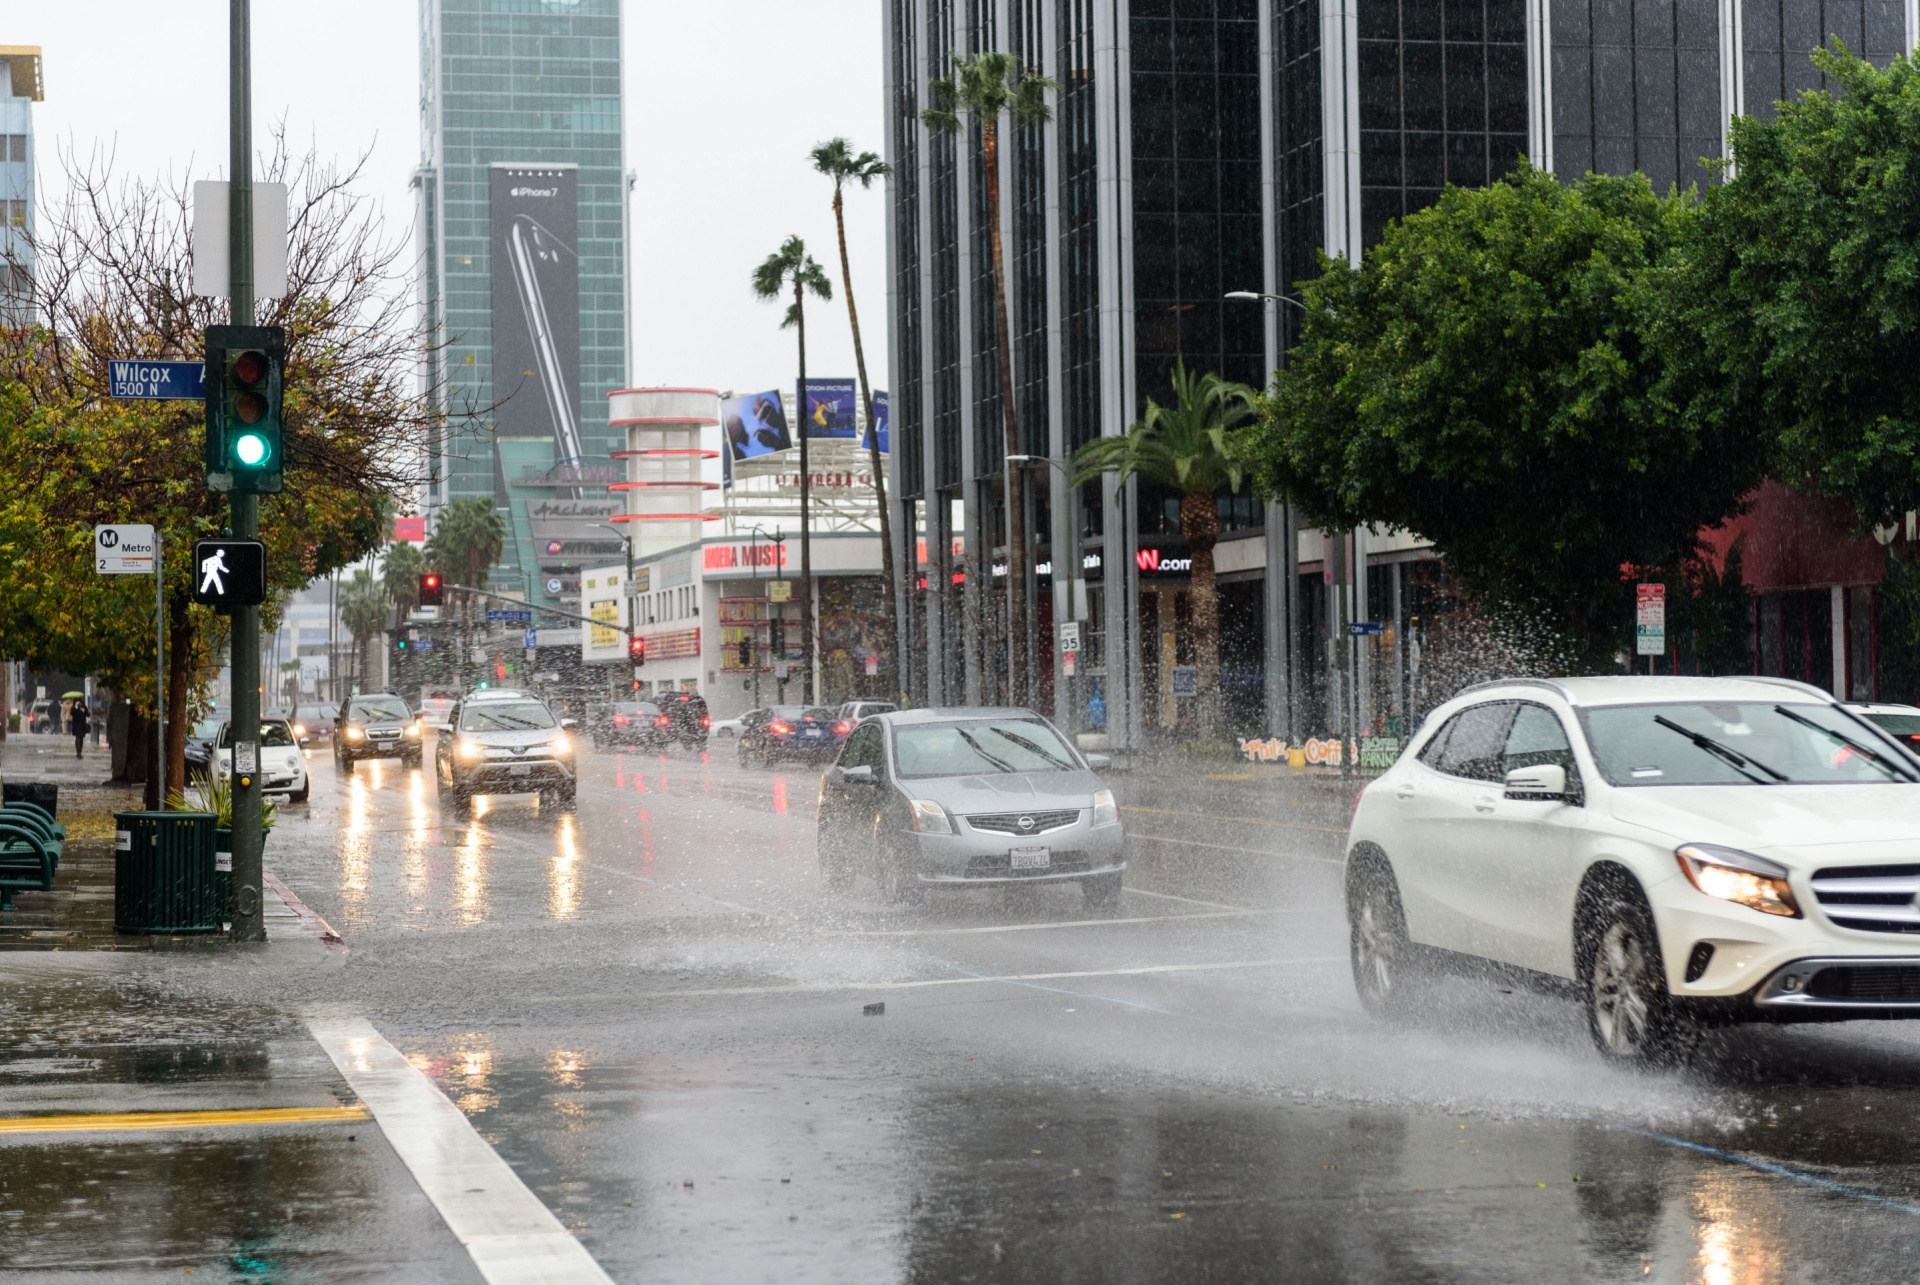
x,y
87,802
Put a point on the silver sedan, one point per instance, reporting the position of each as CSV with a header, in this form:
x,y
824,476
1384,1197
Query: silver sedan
x,y
965,797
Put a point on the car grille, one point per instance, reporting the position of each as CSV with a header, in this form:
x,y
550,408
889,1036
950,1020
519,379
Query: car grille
x,y
1000,866
1876,899
1009,822
1867,984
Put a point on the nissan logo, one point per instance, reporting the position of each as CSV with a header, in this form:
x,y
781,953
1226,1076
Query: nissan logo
x,y
1026,823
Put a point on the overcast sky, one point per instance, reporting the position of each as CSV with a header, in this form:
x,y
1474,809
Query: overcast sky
x,y
724,101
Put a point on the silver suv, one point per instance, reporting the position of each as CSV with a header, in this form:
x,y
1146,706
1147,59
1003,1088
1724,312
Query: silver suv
x,y
505,742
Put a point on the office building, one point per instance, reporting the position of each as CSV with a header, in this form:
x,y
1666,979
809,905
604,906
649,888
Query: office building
x,y
20,81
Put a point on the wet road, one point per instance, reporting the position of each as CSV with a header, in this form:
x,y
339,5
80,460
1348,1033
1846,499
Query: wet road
x,y
653,1010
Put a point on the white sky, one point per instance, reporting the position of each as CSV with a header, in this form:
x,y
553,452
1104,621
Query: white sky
x,y
724,101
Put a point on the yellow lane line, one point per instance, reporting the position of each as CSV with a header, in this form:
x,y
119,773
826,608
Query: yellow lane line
x,y
1206,816
132,1121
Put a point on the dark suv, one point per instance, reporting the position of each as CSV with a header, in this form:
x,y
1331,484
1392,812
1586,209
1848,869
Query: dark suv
x,y
687,718
374,726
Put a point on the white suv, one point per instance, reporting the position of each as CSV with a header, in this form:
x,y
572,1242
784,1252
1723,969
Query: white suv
x,y
1683,850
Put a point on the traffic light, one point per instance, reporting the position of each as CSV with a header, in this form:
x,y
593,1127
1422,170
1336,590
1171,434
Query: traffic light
x,y
776,638
637,650
245,366
430,589
746,653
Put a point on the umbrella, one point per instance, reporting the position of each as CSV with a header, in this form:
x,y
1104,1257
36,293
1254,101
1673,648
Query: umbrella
x,y
73,696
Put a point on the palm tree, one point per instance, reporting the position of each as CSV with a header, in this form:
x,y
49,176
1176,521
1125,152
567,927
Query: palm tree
x,y
400,571
364,610
836,159
983,86
1184,446
791,265
467,540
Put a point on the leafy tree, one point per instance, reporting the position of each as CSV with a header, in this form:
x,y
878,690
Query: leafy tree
x,y
791,267
983,88
1795,311
401,567
1185,446
467,540
364,610
836,159
1484,378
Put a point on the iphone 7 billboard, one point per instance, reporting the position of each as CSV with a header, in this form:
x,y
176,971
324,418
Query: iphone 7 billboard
x,y
536,304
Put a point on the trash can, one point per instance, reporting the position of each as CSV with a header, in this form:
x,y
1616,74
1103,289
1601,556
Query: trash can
x,y
223,872
45,793
163,873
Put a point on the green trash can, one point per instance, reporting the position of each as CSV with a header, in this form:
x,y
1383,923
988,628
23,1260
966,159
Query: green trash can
x,y
163,873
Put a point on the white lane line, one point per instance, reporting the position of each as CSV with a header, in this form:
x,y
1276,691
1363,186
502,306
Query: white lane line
x,y
825,988
1227,847
513,1238
1068,923
684,892
1190,901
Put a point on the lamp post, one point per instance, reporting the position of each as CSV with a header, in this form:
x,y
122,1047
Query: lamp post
x,y
1073,564
626,587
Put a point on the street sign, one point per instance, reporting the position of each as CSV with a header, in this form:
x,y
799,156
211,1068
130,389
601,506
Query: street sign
x,y
123,550
1069,662
779,591
553,585
425,644
1366,628
211,203
873,666
1069,635
229,573
1186,680
533,639
166,381
502,616
1650,619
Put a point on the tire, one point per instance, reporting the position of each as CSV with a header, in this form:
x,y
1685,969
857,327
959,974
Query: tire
x,y
1386,975
1101,892
411,761
346,764
304,793
897,883
836,864
568,797
1630,1015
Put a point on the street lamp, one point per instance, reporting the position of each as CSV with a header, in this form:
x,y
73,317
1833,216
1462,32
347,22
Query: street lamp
x,y
1064,574
1258,296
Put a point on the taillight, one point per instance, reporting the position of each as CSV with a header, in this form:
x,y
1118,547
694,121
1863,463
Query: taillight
x,y
843,727
706,721
621,718
779,729
662,721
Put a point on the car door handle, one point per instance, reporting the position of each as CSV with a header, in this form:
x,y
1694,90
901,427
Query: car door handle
x,y
1484,804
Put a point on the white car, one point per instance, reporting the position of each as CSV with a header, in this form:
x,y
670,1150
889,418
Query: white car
x,y
1686,851
283,768
725,729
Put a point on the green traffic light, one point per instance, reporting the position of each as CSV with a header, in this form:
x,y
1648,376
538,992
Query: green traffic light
x,y
250,449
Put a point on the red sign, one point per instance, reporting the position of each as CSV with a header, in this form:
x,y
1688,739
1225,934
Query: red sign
x,y
413,529
763,553
1650,604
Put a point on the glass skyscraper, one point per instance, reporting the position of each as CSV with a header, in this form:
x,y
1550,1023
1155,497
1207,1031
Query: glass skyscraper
x,y
19,91
521,205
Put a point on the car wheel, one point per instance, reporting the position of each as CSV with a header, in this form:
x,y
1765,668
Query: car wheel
x,y
836,863
897,880
346,764
1632,1018
411,760
1102,892
302,794
1386,976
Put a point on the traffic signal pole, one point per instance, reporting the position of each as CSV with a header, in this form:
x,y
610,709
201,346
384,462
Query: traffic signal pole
x,y
249,923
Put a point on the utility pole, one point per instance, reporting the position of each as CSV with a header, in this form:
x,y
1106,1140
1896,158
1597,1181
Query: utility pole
x,y
248,840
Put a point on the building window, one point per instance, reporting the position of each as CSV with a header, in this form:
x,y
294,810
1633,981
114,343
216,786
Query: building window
x,y
1300,215
1079,226
1638,88
905,405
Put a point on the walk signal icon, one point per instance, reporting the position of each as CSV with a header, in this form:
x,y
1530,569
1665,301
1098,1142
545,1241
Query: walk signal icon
x,y
229,573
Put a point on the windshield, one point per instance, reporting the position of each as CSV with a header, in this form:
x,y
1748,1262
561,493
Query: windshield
x,y
636,708
788,713
313,713
378,711
505,716
1740,744
1902,725
983,747
272,733
207,728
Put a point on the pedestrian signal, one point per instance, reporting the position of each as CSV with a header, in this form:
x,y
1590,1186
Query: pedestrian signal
x,y
245,368
229,573
430,589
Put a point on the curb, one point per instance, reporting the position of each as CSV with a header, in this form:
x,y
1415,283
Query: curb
x,y
310,923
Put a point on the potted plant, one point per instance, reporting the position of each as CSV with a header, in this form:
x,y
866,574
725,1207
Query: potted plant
x,y
216,796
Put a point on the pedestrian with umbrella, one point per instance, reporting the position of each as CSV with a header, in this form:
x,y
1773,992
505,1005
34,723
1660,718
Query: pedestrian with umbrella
x,y
77,721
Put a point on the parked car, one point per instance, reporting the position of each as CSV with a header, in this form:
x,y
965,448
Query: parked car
x,y
376,725
687,719
200,739
282,767
726,729
1900,721
790,732
960,798
505,742
1686,851
315,722
638,723
854,711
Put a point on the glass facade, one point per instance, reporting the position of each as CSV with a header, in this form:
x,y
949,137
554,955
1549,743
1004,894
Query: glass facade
x,y
1079,226
1027,244
17,90
909,418
520,81
1299,177
1778,35
943,321
1637,88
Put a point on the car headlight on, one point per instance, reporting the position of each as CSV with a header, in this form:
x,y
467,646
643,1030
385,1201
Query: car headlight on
x,y
929,817
1104,810
299,729
413,729
354,734
471,749
561,745
1732,875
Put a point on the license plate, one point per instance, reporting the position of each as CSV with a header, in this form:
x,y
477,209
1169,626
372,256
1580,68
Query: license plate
x,y
811,731
520,769
1032,858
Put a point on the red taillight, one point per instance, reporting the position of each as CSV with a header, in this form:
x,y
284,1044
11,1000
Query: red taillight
x,y
843,727
779,729
662,721
705,721
621,718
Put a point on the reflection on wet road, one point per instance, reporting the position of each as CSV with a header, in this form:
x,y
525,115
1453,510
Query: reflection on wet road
x,y
655,1011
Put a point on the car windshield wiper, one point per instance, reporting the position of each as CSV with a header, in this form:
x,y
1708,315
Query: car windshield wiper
x,y
1731,757
1885,765
1002,764
1032,748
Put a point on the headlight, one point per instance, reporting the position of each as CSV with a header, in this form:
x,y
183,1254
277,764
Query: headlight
x,y
1104,811
413,729
354,733
471,749
1732,875
929,817
299,729
560,745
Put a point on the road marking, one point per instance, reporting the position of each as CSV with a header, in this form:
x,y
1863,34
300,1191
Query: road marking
x,y
1189,901
1068,923
512,1237
138,1121
822,988
684,892
1204,816
1223,847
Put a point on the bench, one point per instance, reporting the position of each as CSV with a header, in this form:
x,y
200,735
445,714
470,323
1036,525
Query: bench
x,y
26,865
33,821
38,810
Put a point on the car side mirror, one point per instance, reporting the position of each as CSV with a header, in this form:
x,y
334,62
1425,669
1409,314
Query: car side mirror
x,y
862,775
1099,762
1542,783
305,741
569,722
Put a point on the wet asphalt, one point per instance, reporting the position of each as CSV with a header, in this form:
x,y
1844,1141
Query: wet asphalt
x,y
655,1011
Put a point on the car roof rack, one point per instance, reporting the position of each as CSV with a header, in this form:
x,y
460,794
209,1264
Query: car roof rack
x,y
1794,683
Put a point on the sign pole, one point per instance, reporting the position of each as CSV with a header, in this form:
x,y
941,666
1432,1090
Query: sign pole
x,y
158,792
248,839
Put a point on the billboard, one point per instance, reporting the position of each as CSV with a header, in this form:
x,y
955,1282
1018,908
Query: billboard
x,y
830,405
755,425
534,216
879,425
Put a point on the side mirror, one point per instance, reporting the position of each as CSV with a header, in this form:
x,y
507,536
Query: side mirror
x,y
569,722
862,775
1542,783
1099,762
305,741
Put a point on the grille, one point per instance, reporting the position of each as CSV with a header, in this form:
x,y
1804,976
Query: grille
x,y
1000,866
1867,984
1009,822
1876,899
